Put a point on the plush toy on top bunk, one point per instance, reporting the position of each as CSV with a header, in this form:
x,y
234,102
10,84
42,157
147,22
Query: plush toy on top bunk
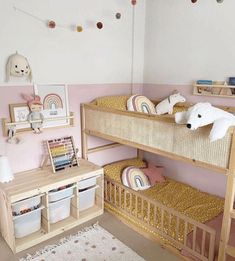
x,y
167,105
140,103
202,114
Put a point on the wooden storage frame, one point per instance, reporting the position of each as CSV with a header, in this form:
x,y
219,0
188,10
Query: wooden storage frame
x,y
6,123
40,182
154,133
215,86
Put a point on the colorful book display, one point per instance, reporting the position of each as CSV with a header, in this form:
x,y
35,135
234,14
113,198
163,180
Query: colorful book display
x,y
62,153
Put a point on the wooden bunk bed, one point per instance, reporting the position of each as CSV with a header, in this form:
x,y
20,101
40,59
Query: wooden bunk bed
x,y
161,135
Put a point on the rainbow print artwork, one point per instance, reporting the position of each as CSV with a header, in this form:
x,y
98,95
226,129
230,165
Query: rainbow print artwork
x,y
62,153
52,102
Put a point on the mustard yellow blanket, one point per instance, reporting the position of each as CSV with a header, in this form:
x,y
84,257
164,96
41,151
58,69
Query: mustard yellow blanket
x,y
120,103
183,198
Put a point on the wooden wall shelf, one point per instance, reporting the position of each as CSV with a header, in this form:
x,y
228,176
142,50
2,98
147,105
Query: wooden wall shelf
x,y
214,90
40,182
6,123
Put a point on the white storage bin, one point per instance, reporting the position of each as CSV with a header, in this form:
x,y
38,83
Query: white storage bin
x,y
60,194
59,210
27,223
86,183
87,198
26,203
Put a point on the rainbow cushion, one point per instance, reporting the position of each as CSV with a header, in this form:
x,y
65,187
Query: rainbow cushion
x,y
134,178
141,104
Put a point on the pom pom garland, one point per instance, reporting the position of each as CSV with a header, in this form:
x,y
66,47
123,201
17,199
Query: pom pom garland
x,y
79,28
118,15
51,24
99,25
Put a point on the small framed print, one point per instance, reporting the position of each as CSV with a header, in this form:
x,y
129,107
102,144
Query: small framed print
x,y
54,98
19,113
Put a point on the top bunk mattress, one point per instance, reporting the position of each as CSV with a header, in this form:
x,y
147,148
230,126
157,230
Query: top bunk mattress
x,y
120,103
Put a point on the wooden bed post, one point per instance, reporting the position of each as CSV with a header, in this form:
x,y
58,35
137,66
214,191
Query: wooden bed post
x,y
140,154
83,134
229,212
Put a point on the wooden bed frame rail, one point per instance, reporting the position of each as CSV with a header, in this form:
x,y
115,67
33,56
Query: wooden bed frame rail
x,y
168,122
132,204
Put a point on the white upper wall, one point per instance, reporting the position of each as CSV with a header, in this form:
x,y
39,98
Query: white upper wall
x,y
63,55
186,41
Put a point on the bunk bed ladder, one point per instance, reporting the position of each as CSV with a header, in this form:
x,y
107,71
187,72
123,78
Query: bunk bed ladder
x,y
229,211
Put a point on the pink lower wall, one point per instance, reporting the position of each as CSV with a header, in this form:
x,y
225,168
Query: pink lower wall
x,y
28,155
200,178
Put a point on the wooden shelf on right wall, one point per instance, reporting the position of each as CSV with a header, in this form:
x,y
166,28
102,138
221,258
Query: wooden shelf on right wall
x,y
215,90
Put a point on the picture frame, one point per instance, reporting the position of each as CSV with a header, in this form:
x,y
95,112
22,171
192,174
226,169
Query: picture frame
x,y
54,98
19,113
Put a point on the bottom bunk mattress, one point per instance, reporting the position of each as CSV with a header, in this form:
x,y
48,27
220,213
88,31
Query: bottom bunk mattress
x,y
199,206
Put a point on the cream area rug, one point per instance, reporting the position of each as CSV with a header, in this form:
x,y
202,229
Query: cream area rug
x,y
91,244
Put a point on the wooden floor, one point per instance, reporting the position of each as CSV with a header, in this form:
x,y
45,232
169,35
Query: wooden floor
x,y
149,250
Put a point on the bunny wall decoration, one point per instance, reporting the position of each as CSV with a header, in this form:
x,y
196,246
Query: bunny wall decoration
x,y
18,67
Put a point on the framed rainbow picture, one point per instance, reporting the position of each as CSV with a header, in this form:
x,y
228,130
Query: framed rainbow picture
x,y
63,153
54,98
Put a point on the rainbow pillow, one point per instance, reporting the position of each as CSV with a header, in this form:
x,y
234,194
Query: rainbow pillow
x,y
134,178
141,104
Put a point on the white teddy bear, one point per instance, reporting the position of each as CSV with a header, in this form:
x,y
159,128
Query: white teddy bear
x,y
202,114
166,106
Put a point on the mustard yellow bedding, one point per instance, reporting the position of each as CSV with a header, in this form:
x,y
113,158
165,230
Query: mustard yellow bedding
x,y
195,204
120,103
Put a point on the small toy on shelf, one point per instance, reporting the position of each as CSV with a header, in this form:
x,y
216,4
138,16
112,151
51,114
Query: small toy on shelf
x,y
18,66
204,89
202,114
166,106
35,105
12,138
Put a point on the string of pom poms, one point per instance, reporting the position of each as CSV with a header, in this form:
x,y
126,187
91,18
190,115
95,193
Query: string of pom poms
x,y
218,1
53,24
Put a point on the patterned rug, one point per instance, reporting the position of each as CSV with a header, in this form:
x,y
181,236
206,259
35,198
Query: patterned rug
x,y
91,244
